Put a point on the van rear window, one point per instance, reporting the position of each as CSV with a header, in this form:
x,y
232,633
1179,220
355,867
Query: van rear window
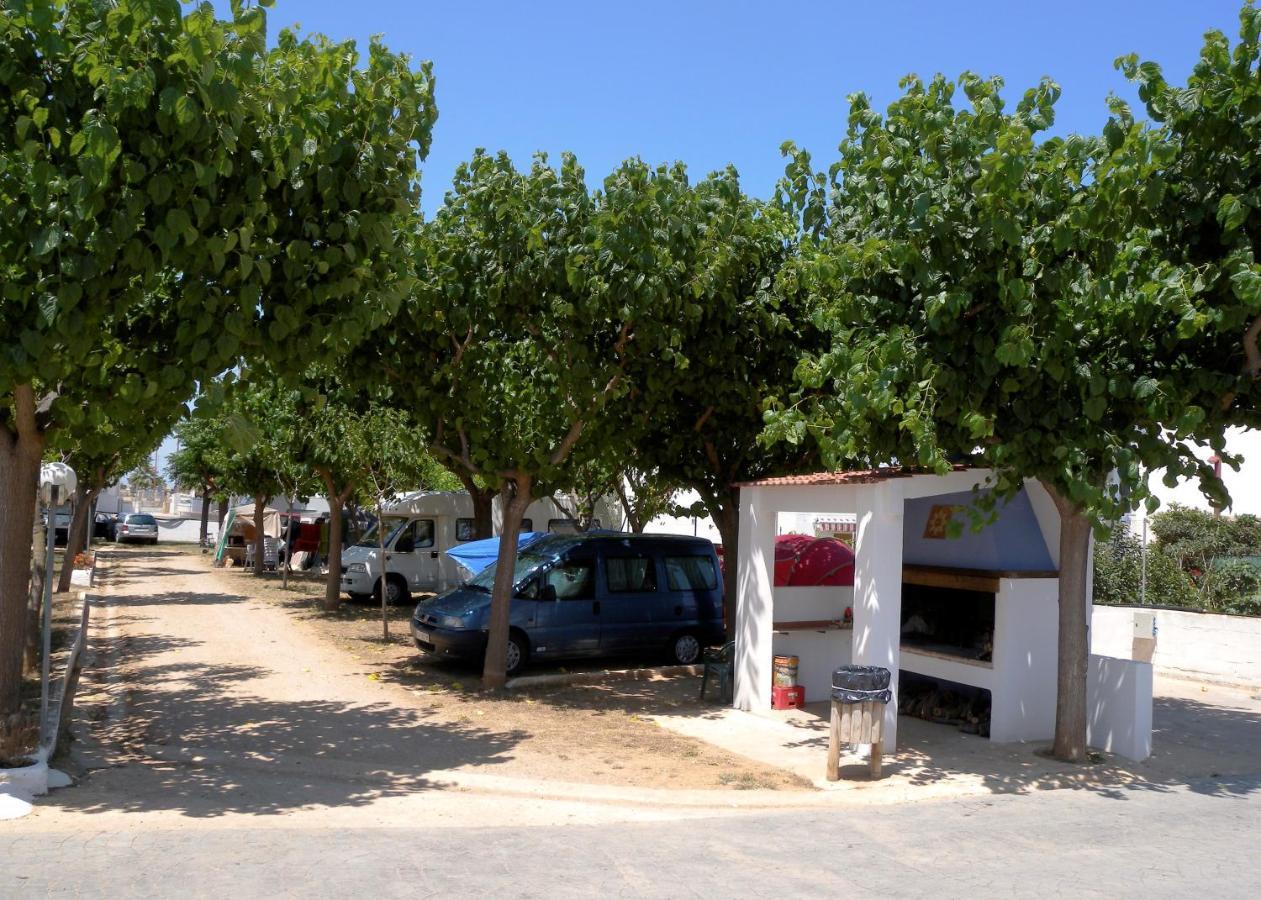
x,y
691,573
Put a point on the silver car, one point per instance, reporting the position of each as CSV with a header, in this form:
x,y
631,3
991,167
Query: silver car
x,y
140,528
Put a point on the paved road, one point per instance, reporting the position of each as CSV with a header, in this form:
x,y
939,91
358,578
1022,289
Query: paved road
x,y
1069,843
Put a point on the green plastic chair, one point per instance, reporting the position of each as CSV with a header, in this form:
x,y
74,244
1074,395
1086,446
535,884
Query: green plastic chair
x,y
720,662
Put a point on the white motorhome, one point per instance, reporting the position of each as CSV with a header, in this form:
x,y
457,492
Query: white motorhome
x,y
420,527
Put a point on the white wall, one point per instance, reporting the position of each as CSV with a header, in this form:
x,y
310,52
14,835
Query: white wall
x,y
1218,648
1026,626
1119,707
818,652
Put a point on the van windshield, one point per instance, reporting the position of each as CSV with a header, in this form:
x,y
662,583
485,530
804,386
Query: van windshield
x,y
370,538
527,563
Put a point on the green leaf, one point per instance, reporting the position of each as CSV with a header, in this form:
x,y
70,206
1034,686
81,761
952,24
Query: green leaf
x,y
1231,213
47,240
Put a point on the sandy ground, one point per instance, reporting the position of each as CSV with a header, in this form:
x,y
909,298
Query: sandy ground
x,y
204,702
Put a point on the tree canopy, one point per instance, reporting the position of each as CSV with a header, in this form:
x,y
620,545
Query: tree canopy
x,y
178,196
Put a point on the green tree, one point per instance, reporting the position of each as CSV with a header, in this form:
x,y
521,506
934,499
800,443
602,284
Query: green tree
x,y
100,460
1204,203
701,421
144,476
197,464
1119,573
351,442
178,196
541,306
993,296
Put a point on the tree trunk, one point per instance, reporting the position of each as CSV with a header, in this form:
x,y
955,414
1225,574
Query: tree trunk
x,y
483,505
205,516
384,579
333,580
1074,635
516,500
76,535
259,542
36,598
725,511
19,487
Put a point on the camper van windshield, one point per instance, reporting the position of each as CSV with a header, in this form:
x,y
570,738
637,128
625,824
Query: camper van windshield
x,y
370,538
526,563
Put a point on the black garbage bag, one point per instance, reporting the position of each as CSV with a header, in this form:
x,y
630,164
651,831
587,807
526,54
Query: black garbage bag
x,y
859,684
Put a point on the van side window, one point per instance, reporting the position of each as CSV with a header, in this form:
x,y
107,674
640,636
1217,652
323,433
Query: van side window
x,y
464,529
691,573
630,574
573,579
421,533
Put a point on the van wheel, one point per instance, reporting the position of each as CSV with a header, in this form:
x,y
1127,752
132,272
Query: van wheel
x,y
395,590
517,654
685,649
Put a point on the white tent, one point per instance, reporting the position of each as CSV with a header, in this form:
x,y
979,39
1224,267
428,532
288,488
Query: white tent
x,y
243,519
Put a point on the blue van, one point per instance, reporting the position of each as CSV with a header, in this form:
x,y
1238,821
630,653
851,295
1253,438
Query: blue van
x,y
587,595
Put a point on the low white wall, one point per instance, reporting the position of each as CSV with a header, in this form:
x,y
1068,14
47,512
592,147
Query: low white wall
x,y
1219,648
1025,659
1119,707
818,652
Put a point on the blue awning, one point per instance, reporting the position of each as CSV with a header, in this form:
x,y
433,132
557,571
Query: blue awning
x,y
477,555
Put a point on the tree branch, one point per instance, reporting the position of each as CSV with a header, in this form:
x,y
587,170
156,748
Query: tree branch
x,y
1251,352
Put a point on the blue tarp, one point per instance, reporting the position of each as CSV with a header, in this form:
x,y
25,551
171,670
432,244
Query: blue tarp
x,y
477,555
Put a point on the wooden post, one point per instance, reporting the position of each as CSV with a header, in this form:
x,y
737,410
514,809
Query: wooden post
x,y
856,723
834,745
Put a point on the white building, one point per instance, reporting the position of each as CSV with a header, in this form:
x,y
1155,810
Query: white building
x,y
977,613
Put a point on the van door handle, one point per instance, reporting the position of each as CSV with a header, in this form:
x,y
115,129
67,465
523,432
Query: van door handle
x,y
433,554
595,606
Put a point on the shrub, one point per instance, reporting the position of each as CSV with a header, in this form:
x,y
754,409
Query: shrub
x,y
1118,575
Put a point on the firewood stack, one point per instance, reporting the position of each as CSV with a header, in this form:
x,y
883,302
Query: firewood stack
x,y
971,715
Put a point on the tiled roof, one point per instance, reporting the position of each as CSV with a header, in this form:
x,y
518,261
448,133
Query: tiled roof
x,y
815,479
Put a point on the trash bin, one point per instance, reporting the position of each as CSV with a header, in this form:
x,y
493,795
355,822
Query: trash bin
x,y
859,695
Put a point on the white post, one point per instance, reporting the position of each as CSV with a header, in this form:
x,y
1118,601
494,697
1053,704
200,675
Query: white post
x,y
878,588
754,601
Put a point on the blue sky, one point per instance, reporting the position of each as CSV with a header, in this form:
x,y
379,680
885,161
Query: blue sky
x,y
711,83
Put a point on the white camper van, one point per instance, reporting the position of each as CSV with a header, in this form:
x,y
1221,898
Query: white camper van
x,y
421,526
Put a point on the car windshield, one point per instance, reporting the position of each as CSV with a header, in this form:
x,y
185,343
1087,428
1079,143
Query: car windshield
x,y
527,564
370,538
141,520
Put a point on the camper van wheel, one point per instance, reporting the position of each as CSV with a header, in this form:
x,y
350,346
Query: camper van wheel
x,y
395,590
685,649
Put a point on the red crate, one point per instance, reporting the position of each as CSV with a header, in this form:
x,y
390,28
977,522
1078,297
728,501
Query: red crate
x,y
787,697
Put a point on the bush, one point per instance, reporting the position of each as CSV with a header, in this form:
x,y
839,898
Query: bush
x,y
1233,586
1118,575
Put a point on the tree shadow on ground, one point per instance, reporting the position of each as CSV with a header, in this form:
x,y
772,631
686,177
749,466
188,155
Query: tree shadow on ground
x,y
1205,748
173,598
200,743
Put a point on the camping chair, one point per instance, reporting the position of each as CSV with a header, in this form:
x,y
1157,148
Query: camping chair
x,y
720,662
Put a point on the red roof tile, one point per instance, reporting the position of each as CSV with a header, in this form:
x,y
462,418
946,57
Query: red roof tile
x,y
862,476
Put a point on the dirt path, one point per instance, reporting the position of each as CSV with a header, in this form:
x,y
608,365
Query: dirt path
x,y
207,703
